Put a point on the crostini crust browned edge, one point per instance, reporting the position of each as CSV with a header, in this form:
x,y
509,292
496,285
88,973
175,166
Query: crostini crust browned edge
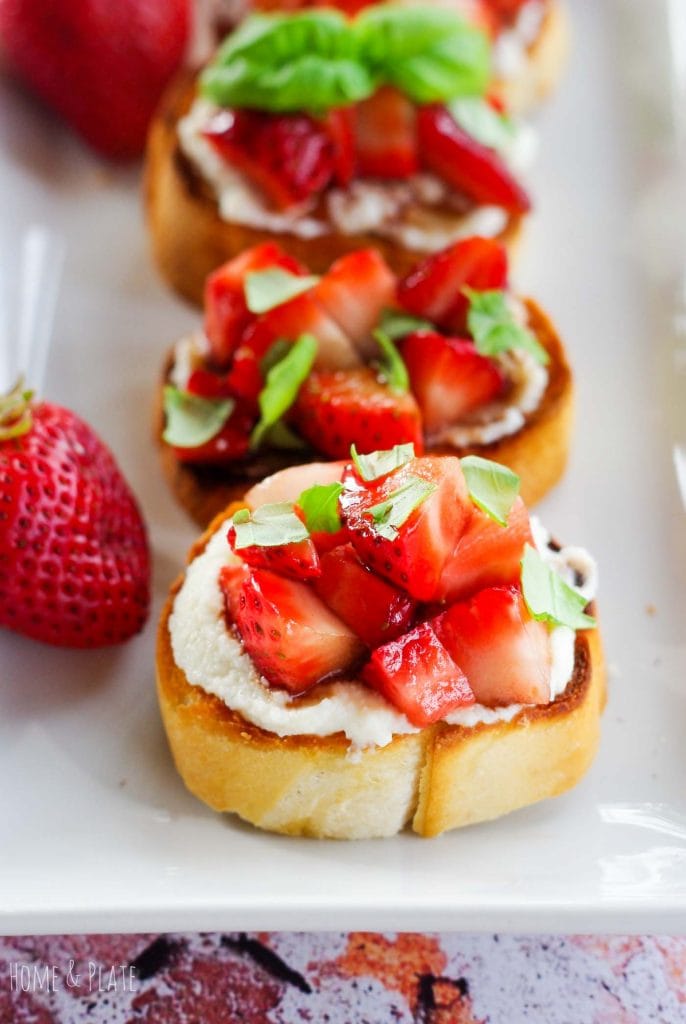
x,y
537,453
437,779
190,239
546,60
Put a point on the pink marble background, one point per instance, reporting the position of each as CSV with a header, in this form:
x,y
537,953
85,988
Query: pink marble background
x,y
341,978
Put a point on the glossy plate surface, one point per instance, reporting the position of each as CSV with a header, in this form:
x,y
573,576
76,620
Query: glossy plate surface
x,y
96,830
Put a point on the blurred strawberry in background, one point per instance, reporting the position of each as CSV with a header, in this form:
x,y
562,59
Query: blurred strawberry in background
x,y
101,64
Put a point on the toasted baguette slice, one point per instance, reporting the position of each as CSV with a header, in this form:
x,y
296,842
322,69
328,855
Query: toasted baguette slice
x,y
537,453
437,779
190,239
546,60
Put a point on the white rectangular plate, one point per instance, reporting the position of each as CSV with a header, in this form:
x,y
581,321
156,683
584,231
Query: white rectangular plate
x,y
96,830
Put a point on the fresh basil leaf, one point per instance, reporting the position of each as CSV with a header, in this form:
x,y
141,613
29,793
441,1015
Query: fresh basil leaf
x,y
282,385
268,526
390,514
274,354
493,326
320,505
485,124
391,365
430,53
493,488
548,597
273,39
395,324
378,464
267,289
191,420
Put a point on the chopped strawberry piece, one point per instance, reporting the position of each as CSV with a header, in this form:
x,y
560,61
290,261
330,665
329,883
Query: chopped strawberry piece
x,y
226,312
503,651
386,135
374,609
207,384
304,315
418,676
232,442
487,554
465,164
448,377
298,560
290,157
291,636
434,288
335,410
416,557
354,292
339,125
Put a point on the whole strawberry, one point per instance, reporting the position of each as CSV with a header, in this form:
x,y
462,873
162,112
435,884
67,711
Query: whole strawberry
x,y
74,560
101,64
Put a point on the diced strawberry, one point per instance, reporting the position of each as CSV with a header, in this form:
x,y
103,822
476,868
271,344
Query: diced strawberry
x,y
288,484
290,157
340,126
226,312
335,410
418,676
465,164
503,651
416,557
386,135
304,315
298,560
207,384
434,288
374,609
487,554
448,377
291,636
353,292
232,442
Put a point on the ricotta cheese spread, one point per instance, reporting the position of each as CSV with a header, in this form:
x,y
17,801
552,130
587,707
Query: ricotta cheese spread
x,y
415,212
214,659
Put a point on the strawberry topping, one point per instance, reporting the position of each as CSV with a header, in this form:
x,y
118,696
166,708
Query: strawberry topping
x,y
417,674
335,410
386,135
449,378
289,157
468,166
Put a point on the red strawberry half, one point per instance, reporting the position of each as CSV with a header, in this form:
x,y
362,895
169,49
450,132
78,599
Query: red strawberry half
x,y
448,377
354,292
503,651
298,560
335,410
386,135
291,636
74,560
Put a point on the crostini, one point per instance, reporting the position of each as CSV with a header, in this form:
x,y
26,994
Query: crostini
x,y
329,135
358,647
292,367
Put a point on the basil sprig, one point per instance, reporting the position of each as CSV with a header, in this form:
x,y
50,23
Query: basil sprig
x,y
377,464
389,515
319,504
269,288
492,487
268,526
316,60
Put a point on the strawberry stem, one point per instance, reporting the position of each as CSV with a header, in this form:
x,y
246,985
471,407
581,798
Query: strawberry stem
x,y
15,411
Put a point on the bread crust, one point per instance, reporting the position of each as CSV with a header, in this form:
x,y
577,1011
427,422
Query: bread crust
x,y
190,239
437,779
547,58
537,453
